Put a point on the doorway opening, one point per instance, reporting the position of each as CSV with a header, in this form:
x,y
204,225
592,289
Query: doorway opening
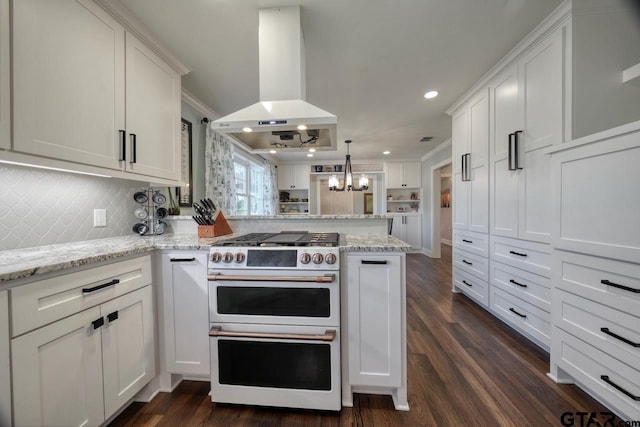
x,y
441,185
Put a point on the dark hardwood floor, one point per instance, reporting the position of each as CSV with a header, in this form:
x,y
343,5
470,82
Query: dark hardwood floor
x,y
465,368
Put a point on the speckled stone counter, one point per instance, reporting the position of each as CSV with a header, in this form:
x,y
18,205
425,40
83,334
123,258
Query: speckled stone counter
x,y
21,263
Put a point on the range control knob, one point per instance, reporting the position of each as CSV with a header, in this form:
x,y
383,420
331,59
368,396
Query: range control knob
x,y
227,257
239,257
317,258
330,258
216,257
305,258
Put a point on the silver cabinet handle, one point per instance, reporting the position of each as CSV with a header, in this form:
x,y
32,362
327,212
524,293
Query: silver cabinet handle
x,y
329,335
327,278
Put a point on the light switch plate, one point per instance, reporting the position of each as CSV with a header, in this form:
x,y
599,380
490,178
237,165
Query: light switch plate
x,y
99,217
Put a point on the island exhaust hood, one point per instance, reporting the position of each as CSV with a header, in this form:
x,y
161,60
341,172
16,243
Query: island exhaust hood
x,y
282,120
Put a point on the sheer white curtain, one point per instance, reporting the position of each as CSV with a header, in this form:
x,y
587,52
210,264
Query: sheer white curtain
x,y
270,187
220,183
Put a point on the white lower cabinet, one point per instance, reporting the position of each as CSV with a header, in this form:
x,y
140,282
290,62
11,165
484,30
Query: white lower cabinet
x,y
408,228
375,319
185,312
82,367
5,367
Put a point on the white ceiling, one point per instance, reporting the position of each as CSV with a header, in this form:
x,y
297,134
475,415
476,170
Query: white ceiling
x,y
369,62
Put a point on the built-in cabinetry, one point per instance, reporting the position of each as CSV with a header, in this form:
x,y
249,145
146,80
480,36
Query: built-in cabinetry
x,y
5,81
408,228
5,366
111,103
293,183
185,314
374,317
403,175
97,323
596,267
502,183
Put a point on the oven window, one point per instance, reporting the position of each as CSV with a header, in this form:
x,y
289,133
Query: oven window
x,y
264,301
275,364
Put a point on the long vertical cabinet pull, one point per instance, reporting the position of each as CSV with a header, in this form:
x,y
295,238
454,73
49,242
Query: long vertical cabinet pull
x,y
516,152
123,148
133,148
466,173
512,163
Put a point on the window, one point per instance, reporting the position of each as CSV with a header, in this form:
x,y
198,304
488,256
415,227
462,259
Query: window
x,y
250,178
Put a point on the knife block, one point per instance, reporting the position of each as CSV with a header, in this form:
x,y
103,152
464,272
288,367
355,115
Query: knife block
x,y
220,228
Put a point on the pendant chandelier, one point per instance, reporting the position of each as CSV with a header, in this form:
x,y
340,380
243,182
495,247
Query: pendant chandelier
x,y
347,184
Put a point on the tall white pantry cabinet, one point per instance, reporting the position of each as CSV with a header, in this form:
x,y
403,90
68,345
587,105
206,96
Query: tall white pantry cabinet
x,y
502,186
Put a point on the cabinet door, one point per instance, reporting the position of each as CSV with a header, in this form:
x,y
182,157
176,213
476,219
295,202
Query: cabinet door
x,y
285,173
57,373
505,120
460,143
153,113
300,177
5,107
478,216
5,370
375,320
186,312
68,81
128,347
394,175
413,230
398,229
542,88
413,175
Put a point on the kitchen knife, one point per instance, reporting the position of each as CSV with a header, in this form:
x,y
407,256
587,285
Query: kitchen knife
x,y
213,205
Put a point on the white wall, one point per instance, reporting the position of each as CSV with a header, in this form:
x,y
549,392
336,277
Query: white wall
x,y
606,40
40,207
445,213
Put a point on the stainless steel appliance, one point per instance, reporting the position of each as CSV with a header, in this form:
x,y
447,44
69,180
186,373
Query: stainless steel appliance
x,y
274,310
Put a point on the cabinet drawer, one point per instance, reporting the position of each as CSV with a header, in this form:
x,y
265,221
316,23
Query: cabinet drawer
x,y
584,275
586,319
587,365
45,301
530,256
477,243
471,286
532,288
472,264
523,316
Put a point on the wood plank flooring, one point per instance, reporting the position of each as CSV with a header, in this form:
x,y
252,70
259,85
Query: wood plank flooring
x,y
465,368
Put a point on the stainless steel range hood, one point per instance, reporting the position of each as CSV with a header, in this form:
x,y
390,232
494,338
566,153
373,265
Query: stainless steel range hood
x,y
273,123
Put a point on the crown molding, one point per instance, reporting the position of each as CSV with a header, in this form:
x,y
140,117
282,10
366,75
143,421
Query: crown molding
x,y
199,105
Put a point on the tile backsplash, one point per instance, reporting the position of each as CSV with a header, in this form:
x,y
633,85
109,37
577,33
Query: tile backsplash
x,y
41,207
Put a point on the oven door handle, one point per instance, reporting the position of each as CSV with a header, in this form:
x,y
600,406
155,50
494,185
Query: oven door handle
x,y
329,335
327,278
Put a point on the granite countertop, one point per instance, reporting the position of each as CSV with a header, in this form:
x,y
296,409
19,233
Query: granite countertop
x,y
21,263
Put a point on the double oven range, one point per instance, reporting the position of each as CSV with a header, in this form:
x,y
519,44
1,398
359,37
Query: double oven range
x,y
274,311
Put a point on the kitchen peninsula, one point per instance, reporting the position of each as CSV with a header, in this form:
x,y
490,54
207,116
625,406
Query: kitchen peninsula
x,y
115,289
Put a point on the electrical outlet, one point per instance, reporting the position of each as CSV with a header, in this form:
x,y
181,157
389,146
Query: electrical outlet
x,y
99,217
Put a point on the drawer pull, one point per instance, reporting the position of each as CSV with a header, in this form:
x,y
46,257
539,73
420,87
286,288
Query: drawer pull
x,y
606,379
97,288
468,284
511,309
518,284
374,262
615,285
111,317
98,323
623,339
182,259
467,241
467,262
517,253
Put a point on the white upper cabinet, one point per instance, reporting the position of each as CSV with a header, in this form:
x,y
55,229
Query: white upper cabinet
x,y
527,118
5,99
470,140
68,81
86,91
403,175
293,177
153,113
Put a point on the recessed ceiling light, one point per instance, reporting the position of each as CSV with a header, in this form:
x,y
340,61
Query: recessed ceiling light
x,y
273,151
247,129
386,152
431,94
309,155
312,150
302,127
